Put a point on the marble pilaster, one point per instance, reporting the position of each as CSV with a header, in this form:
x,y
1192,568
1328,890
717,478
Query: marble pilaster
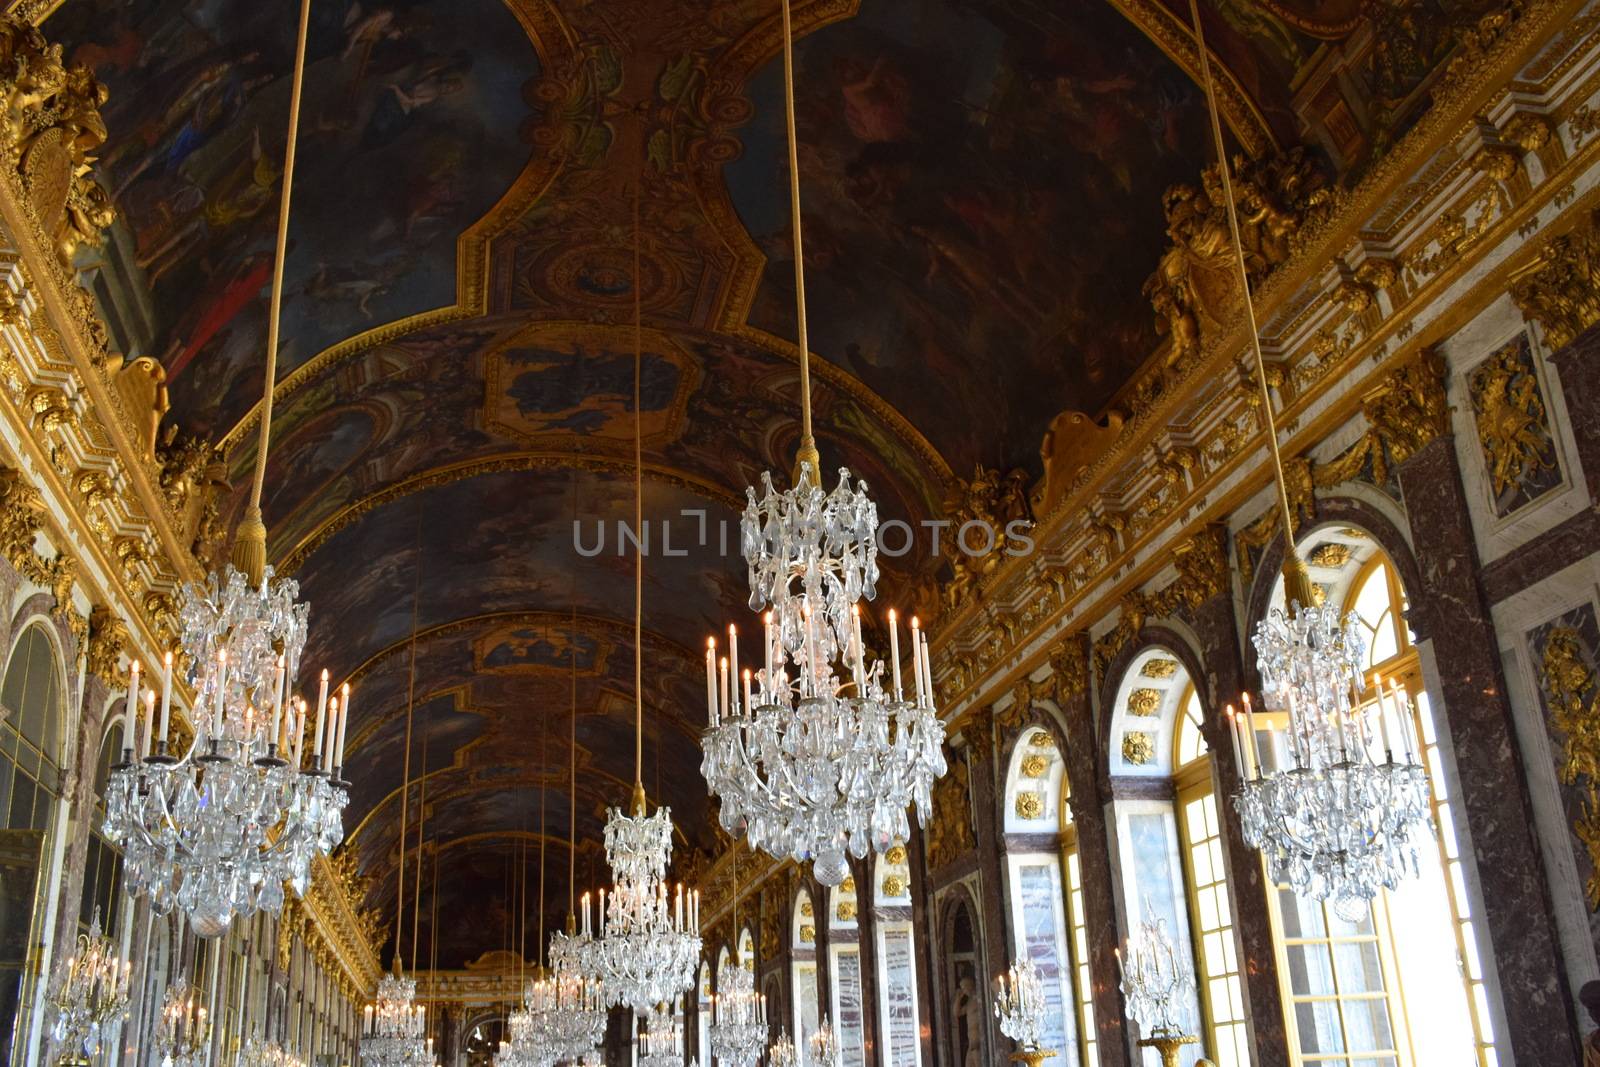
x,y
1493,796
1578,366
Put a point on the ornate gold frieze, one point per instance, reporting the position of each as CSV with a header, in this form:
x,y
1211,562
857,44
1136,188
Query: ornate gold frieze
x,y
107,639
1560,289
982,512
1202,565
1573,697
1194,290
949,834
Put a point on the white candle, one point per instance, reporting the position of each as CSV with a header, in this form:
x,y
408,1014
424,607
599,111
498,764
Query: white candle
x,y
711,680
333,725
678,906
894,651
585,908
1250,732
166,696
149,722
733,659
130,709
1233,733
344,720
858,664
808,677
322,715
747,704
927,671
724,669
277,703
1402,708
767,623
916,661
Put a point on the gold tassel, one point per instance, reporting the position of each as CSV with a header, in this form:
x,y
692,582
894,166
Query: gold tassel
x,y
1296,582
250,546
807,453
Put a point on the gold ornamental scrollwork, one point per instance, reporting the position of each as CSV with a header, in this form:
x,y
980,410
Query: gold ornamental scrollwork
x,y
1572,694
108,636
1513,427
1560,289
949,834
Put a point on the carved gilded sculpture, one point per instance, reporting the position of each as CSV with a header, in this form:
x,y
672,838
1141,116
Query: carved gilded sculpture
x,y
1573,697
1560,289
950,834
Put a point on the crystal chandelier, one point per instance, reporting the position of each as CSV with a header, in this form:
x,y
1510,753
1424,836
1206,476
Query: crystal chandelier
x,y
823,1046
527,1042
90,995
1019,1003
259,1053
1155,982
782,1053
183,1031
1332,820
393,1028
738,1018
661,1045
219,831
648,941
827,761
571,1011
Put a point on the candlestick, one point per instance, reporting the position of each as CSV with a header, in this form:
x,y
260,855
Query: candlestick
x,y
894,652
166,695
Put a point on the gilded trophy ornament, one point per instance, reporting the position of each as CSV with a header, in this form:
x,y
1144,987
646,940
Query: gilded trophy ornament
x,y
1572,693
1560,289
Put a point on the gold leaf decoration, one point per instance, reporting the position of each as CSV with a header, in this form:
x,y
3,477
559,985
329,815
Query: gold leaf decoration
x,y
1573,697
1030,805
1034,765
1138,747
1330,554
1159,668
1144,702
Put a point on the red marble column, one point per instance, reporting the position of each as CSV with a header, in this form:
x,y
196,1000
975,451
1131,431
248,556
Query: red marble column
x,y
867,931
1578,366
1089,794
987,824
1493,796
1216,625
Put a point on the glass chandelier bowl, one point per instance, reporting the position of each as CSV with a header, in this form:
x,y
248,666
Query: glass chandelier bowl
x,y
219,831
649,941
1019,1003
1339,804
822,1046
738,1018
661,1044
90,995
393,1028
824,764
183,1031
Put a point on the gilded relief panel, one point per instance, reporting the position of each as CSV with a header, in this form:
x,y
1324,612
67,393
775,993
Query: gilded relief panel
x,y
1566,657
1514,435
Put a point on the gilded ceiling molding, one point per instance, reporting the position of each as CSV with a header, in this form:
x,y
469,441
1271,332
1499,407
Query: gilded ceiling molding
x,y
1209,405
500,463
554,42
339,930
1175,37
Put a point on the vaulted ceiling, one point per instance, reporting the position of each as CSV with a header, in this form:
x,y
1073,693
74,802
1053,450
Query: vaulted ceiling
x,y
982,183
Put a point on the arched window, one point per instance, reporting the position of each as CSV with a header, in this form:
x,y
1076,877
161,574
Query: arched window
x,y
30,784
1045,913
1205,876
102,871
803,968
1404,984
897,970
844,973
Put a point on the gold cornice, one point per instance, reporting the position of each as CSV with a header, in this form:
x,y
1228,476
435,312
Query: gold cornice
x,y
1459,99
499,463
1309,425
337,924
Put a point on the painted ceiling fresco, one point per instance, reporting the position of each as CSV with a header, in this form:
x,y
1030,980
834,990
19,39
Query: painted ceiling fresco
x,y
982,185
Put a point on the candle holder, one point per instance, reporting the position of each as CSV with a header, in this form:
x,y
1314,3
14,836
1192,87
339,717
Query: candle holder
x,y
1019,1005
90,997
1156,985
823,1046
184,1029
782,1053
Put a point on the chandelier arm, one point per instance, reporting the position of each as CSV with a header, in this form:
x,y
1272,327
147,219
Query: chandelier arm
x,y
1292,565
250,546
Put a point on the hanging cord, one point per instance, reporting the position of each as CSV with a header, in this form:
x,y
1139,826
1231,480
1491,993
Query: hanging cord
x,y
807,452
422,822
1296,584
638,516
250,541
405,777
544,760
572,740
